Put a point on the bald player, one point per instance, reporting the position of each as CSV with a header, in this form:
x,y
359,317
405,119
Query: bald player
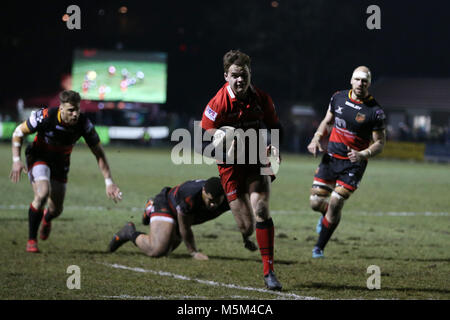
x,y
355,124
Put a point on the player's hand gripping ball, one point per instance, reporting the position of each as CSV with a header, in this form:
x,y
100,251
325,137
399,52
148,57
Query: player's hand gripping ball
x,y
231,140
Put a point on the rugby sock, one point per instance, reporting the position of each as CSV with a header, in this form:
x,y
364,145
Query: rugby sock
x,y
325,233
134,236
34,220
265,238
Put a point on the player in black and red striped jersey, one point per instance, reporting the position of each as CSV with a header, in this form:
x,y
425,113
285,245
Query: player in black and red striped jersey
x,y
171,214
48,160
358,133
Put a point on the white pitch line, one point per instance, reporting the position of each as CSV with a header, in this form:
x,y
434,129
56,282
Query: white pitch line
x,y
282,212
211,283
172,297
126,296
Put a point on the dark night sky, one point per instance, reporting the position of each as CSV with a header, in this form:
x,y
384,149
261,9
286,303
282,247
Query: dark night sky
x,y
301,50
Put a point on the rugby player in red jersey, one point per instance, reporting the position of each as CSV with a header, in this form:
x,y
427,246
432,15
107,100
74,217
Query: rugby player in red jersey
x,y
357,134
48,160
241,105
171,215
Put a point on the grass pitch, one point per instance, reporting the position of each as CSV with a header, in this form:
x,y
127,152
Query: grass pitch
x,y
398,220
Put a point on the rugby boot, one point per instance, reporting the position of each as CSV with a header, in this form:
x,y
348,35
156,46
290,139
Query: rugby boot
x,y
147,211
317,253
125,234
32,246
271,281
45,228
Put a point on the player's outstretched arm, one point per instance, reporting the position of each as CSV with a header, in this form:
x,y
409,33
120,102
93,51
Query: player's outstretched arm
x,y
323,130
112,190
16,146
185,223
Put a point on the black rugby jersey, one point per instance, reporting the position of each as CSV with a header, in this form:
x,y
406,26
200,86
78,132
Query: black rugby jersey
x,y
354,122
53,137
187,197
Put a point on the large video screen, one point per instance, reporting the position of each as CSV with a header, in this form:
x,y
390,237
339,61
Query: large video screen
x,y
120,76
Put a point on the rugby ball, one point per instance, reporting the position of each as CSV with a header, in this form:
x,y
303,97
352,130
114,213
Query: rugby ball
x,y
224,137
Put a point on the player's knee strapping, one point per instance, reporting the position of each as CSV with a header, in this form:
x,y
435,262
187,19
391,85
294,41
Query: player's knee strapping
x,y
319,198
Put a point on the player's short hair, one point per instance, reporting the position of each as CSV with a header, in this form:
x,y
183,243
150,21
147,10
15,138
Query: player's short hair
x,y
235,57
70,96
214,187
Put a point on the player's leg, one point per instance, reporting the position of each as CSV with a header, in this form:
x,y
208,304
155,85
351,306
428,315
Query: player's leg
x,y
319,199
259,190
40,179
54,207
349,176
242,212
331,219
163,237
323,184
234,185
161,240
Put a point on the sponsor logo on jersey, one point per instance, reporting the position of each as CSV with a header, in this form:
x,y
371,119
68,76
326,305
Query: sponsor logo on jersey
x,y
210,113
348,103
60,127
360,117
339,110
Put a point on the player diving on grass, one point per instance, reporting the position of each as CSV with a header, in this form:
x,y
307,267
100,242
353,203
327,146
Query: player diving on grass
x,y
171,215
48,160
357,125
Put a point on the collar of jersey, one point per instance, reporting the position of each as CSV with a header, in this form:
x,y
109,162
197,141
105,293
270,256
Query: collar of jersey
x,y
60,120
369,97
233,96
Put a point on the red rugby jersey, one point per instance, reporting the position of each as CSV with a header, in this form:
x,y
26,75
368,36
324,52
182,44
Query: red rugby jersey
x,y
226,110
